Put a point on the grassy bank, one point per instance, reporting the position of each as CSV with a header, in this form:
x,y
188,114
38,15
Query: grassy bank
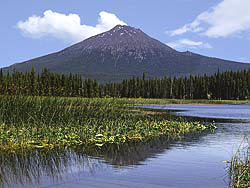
x,y
150,102
49,122
239,168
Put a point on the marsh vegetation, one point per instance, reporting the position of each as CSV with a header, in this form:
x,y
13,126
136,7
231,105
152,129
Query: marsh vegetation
x,y
51,122
239,168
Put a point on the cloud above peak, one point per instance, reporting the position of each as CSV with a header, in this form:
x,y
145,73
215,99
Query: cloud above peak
x,y
226,18
188,44
66,27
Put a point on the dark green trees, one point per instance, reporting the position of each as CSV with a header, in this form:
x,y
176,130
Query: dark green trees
x,y
227,85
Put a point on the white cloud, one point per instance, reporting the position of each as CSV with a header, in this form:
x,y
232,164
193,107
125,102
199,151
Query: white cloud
x,y
66,27
194,26
227,18
188,44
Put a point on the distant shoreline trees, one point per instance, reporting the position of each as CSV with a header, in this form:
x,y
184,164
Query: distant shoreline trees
x,y
227,86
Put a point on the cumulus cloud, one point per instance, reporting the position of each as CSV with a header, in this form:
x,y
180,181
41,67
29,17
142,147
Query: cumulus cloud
x,y
66,27
188,44
227,18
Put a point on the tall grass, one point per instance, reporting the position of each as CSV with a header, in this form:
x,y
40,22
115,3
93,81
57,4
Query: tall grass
x,y
239,169
49,122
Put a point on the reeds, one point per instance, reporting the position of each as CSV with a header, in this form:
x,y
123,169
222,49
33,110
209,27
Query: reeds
x,y
239,169
49,122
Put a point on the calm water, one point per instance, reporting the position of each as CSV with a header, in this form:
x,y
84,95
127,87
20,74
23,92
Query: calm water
x,y
237,112
193,161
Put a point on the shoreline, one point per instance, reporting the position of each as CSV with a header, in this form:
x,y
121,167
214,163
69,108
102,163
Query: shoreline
x,y
189,104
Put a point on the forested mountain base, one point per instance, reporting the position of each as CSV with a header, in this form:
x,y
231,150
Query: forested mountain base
x,y
226,85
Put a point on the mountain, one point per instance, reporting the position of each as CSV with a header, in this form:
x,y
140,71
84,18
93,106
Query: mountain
x,y
125,52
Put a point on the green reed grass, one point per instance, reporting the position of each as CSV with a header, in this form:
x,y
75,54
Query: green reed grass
x,y
49,122
239,169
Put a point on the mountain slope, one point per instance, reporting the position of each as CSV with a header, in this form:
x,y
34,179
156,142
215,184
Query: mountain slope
x,y
124,52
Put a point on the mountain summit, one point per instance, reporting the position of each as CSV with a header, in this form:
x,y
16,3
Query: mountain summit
x,y
125,52
121,40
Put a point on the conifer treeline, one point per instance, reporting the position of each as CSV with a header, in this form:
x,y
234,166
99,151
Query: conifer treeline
x,y
227,85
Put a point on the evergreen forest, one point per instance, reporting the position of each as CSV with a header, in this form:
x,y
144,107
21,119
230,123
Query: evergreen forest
x,y
221,85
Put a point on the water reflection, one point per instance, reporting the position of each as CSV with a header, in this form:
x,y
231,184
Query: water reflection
x,y
31,166
26,168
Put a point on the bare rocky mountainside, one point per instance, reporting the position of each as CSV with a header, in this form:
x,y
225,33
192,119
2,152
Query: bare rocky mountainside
x,y
126,52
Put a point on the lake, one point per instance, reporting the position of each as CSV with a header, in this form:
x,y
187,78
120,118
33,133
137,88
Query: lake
x,y
197,160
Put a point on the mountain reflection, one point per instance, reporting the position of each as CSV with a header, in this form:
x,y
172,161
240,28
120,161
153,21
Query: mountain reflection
x,y
30,167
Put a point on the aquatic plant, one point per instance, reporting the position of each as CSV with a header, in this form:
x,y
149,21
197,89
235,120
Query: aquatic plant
x,y
56,122
239,169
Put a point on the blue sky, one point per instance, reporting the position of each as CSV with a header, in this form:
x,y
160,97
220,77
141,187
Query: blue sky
x,y
218,28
